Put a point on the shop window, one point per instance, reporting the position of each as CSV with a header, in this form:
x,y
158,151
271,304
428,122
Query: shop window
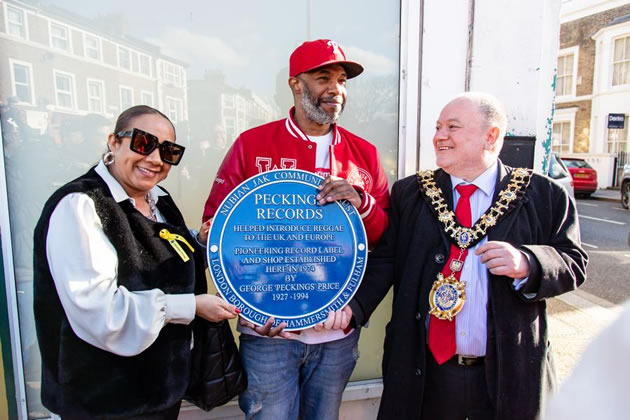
x,y
206,48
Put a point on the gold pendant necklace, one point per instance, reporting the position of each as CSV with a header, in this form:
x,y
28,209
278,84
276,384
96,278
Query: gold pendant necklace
x,y
448,295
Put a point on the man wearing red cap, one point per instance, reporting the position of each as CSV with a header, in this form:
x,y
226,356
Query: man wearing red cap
x,y
305,374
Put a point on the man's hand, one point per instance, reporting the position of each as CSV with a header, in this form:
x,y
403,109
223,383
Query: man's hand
x,y
266,329
334,189
202,236
213,308
337,320
502,259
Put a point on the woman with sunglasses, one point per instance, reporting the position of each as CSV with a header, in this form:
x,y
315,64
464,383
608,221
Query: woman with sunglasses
x,y
117,280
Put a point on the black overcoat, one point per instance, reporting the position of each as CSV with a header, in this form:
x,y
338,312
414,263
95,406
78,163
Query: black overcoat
x,y
413,250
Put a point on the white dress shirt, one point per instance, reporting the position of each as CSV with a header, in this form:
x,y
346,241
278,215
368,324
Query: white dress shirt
x,y
84,267
471,322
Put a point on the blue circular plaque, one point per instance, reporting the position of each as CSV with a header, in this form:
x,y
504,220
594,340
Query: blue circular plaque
x,y
273,251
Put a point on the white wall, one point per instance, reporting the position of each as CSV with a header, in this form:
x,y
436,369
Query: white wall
x,y
514,52
514,57
443,68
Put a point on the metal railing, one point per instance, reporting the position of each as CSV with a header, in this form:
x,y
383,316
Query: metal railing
x,y
621,159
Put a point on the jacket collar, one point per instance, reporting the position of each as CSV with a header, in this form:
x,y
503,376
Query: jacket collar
x,y
443,179
297,132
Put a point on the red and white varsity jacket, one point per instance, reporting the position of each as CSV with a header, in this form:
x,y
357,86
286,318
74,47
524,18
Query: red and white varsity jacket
x,y
282,145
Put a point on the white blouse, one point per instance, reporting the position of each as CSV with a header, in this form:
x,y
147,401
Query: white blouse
x,y
84,267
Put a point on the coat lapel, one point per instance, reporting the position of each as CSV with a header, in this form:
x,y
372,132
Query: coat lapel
x,y
443,180
501,231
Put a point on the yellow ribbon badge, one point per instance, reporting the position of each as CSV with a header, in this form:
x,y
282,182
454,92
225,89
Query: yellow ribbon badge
x,y
172,239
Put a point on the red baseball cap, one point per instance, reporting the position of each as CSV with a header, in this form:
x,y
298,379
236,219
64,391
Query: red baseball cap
x,y
314,54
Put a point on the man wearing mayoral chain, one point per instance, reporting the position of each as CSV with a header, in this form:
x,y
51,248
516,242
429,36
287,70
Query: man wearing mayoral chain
x,y
473,251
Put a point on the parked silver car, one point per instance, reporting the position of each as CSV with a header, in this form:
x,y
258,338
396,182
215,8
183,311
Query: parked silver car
x,y
625,188
559,172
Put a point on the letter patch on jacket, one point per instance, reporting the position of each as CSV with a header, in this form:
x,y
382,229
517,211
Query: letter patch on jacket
x,y
265,164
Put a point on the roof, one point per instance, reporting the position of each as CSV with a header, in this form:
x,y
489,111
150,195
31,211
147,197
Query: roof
x,y
619,19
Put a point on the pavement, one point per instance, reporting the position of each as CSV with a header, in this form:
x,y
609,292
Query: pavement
x,y
578,317
607,194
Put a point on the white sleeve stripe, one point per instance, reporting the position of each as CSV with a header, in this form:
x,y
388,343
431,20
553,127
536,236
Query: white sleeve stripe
x,y
370,206
365,204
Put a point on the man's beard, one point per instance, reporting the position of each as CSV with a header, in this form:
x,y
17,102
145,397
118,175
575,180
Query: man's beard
x,y
315,112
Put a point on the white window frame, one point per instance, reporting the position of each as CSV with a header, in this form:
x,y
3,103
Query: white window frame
x,y
179,108
98,49
612,58
12,62
172,73
118,51
120,99
135,62
604,58
230,133
52,37
566,52
570,144
73,90
101,84
148,63
146,93
8,23
225,104
566,115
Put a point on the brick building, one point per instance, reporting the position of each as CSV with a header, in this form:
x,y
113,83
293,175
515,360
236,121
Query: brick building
x,y
593,84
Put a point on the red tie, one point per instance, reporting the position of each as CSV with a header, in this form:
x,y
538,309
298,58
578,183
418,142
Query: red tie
x,y
442,331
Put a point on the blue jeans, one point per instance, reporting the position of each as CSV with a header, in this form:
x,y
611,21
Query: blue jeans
x,y
288,379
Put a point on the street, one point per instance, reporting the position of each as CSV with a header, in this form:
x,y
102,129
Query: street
x,y
578,317
605,226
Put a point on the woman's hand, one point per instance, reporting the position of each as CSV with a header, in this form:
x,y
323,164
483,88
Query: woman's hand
x,y
214,309
202,236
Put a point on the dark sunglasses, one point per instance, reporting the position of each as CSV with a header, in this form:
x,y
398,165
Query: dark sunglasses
x,y
145,143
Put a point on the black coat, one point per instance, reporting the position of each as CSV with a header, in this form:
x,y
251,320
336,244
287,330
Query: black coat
x,y
519,368
80,380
